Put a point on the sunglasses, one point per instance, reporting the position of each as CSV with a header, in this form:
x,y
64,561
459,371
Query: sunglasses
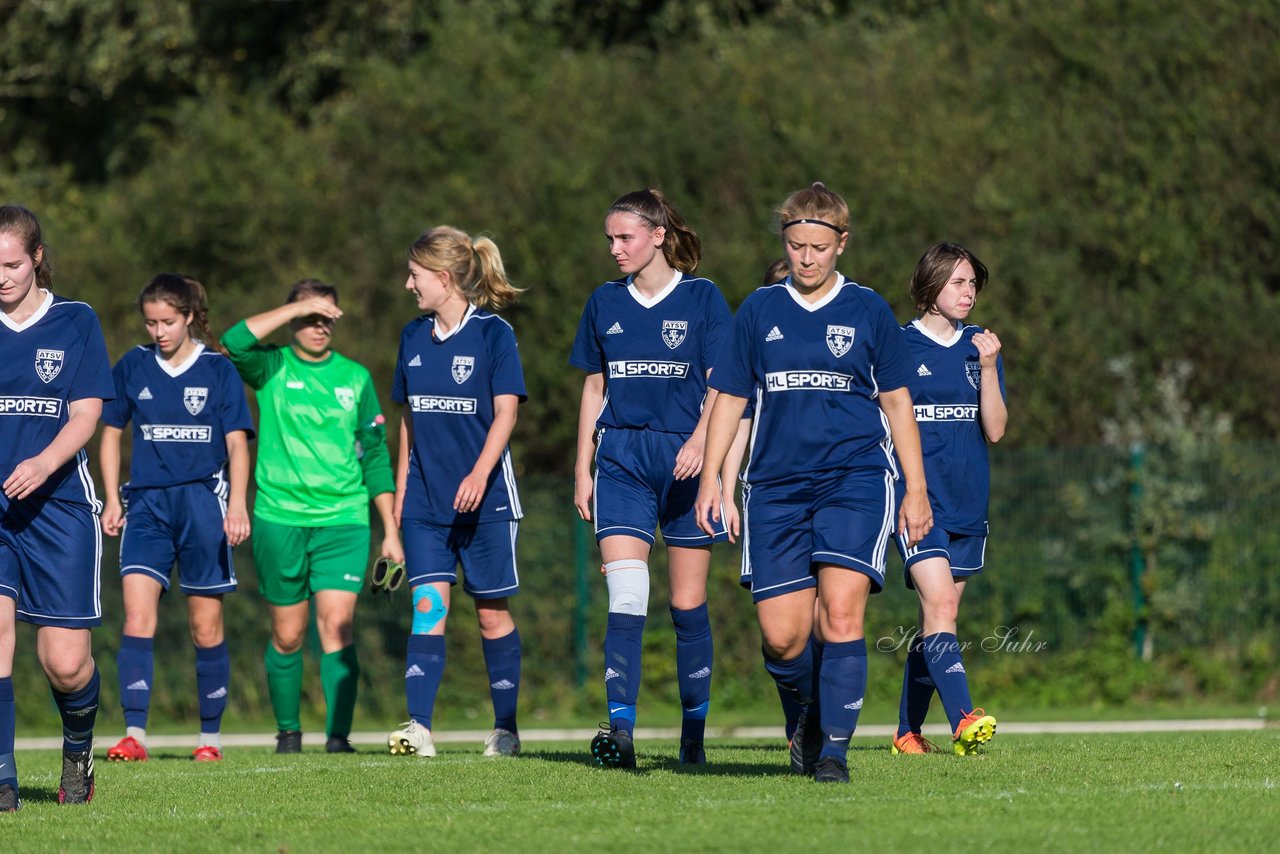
x,y
317,320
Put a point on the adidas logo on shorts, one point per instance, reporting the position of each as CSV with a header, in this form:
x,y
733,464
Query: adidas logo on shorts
x,y
610,673
616,329
775,334
414,670
140,685
700,674
217,695
956,668
502,685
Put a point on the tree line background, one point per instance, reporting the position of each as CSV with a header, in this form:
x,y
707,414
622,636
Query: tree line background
x,y
1114,162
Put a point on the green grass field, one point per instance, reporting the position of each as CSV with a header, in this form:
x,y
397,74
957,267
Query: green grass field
x,y
1209,791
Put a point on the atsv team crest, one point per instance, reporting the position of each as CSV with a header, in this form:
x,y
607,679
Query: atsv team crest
x,y
346,397
462,368
839,340
673,332
973,371
48,364
194,397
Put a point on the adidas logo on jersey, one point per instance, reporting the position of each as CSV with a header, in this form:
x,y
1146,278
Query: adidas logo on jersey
x,y
700,674
145,394
217,695
502,685
956,668
610,673
415,362
414,670
775,334
922,371
140,685
855,705
616,329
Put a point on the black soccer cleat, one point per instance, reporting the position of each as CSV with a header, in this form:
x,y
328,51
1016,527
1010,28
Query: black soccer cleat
x,y
829,769
338,744
9,798
613,749
805,744
77,776
289,741
691,753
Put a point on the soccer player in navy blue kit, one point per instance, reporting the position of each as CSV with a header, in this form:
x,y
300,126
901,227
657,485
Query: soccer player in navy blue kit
x,y
56,377
957,386
647,341
188,475
459,379
824,358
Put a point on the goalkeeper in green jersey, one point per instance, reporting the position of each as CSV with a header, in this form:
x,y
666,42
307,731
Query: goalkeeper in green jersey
x,y
322,455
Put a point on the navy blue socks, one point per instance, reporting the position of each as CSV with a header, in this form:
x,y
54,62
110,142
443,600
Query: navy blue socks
x,y
622,647
213,676
502,661
424,668
694,653
942,656
136,665
844,683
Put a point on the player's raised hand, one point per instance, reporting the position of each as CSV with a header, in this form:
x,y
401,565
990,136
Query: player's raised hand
x,y
988,348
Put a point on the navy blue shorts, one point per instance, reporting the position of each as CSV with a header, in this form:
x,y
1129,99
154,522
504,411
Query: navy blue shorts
x,y
178,523
965,552
842,520
50,558
487,552
636,493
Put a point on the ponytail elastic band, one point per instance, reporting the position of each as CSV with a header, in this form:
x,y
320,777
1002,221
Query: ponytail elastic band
x,y
834,228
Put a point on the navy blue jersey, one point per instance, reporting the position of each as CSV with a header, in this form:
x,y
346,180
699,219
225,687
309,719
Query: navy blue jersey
x,y
816,371
449,385
654,354
57,356
181,415
945,384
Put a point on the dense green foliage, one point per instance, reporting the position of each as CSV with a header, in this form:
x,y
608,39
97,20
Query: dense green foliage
x,y
1114,163
1135,792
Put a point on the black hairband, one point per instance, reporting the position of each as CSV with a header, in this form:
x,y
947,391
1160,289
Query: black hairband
x,y
834,228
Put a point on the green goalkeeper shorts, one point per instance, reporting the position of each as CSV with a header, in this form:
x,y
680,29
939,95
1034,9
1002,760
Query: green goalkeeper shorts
x,y
293,562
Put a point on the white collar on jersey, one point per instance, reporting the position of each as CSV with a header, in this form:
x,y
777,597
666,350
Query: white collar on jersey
x,y
34,318
659,296
445,336
179,370
822,303
956,335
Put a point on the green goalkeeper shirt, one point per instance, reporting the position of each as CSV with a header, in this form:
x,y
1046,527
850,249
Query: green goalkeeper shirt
x,y
322,452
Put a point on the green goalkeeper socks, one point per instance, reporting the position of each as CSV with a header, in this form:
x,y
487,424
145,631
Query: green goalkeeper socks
x,y
284,683
340,676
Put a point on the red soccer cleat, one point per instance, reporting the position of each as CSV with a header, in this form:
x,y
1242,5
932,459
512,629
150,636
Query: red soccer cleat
x,y
128,750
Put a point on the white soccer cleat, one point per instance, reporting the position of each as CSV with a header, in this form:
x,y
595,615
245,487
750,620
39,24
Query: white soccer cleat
x,y
502,742
412,739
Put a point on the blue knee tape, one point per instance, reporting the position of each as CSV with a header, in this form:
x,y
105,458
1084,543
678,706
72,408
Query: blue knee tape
x,y
425,621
